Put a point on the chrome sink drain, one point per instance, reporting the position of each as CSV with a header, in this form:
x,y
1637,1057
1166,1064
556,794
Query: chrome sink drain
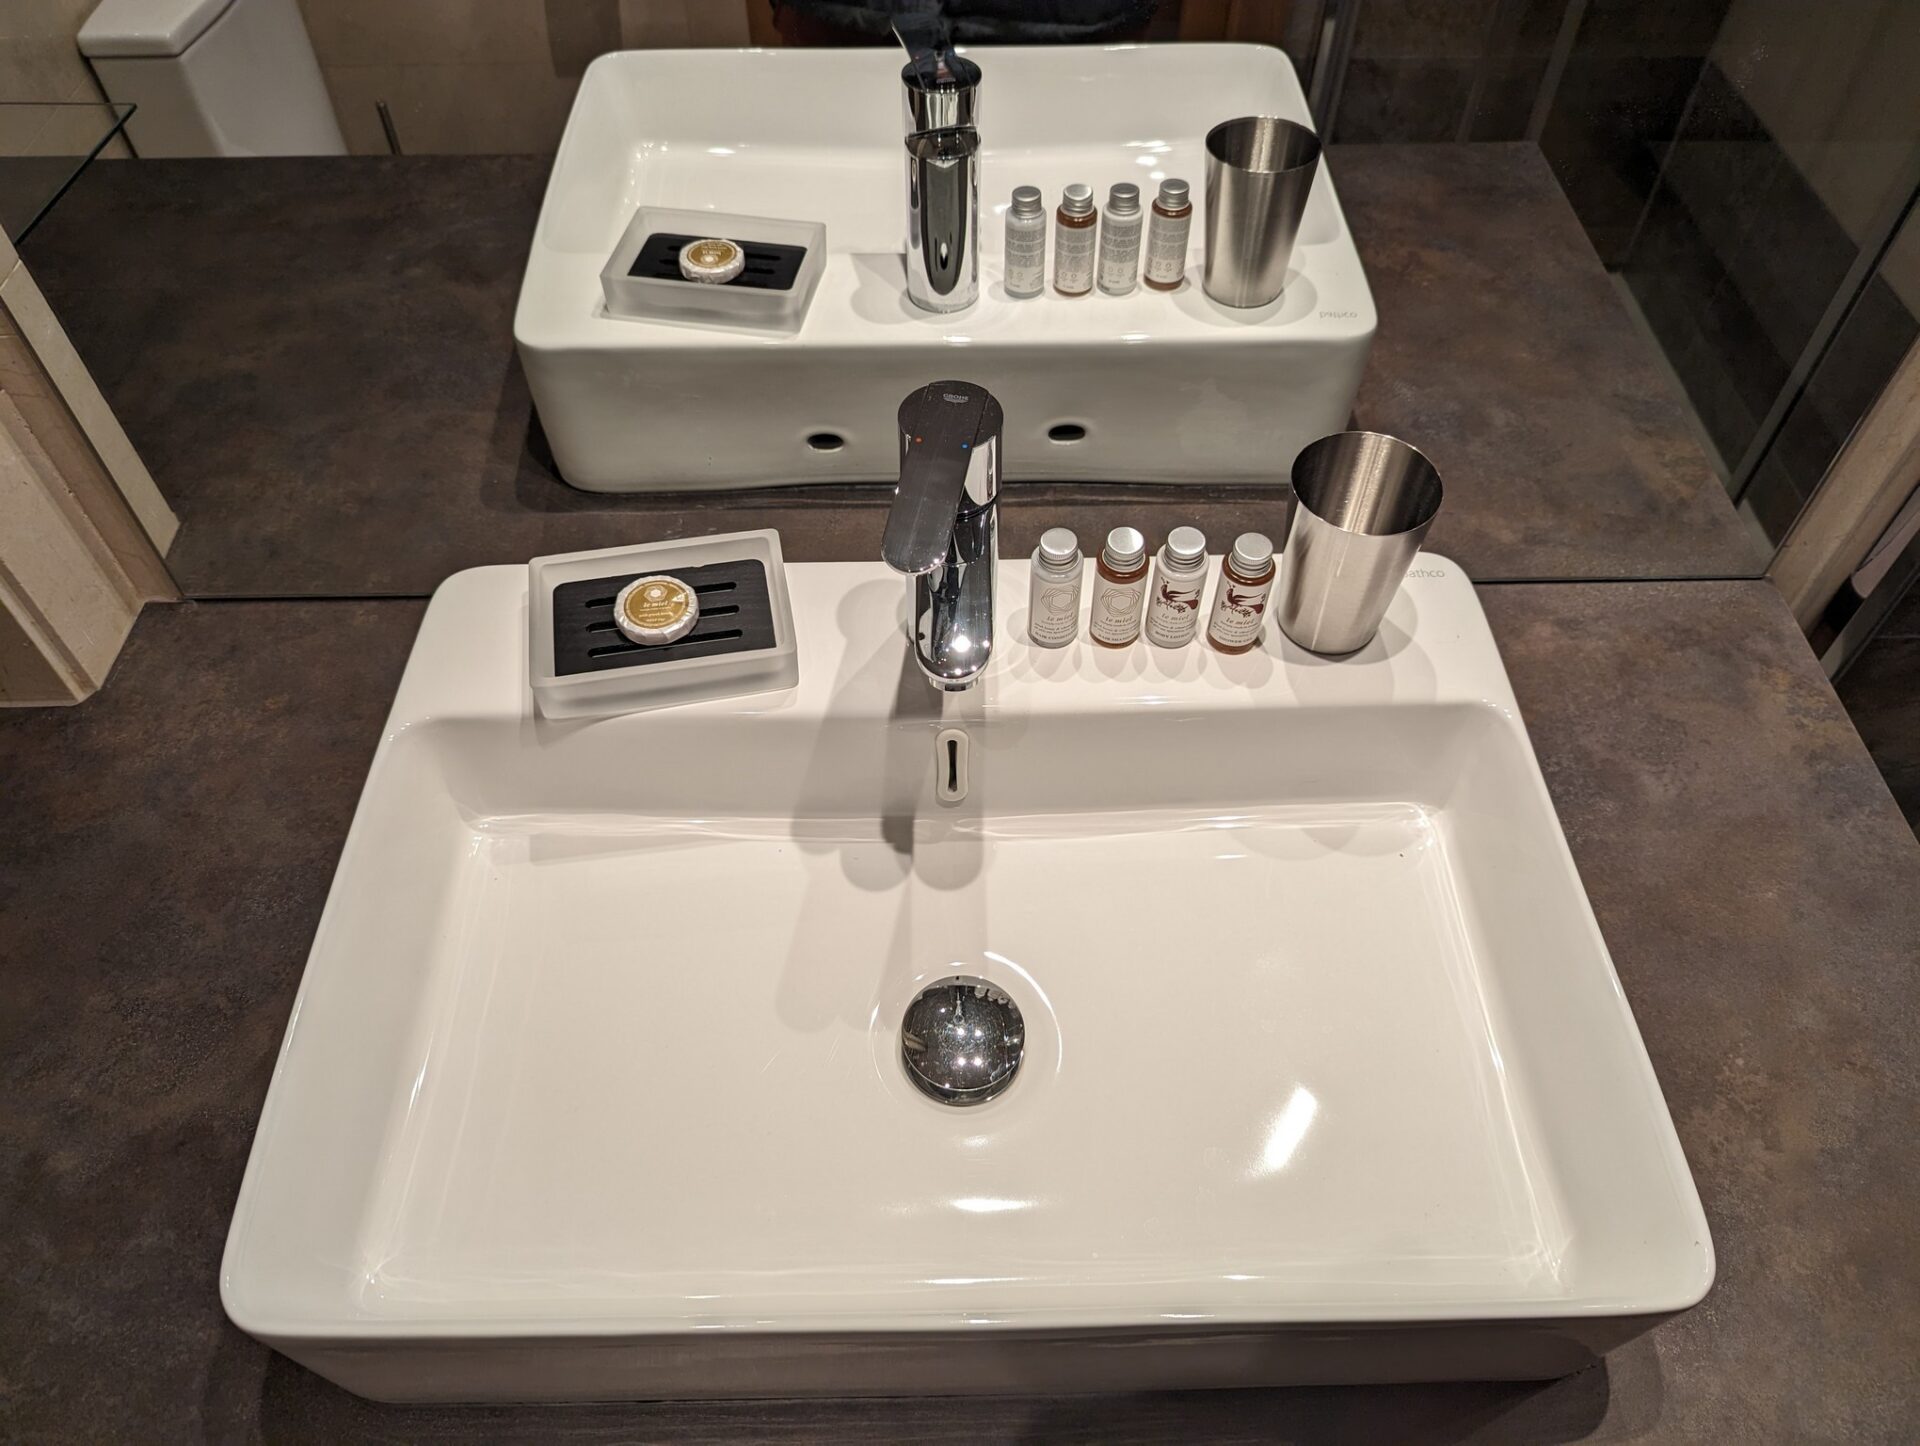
x,y
962,1040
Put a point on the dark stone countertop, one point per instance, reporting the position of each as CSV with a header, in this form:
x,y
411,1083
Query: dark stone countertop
x,y
315,358
170,844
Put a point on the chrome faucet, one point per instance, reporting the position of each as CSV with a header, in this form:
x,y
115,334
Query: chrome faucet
x,y
941,92
944,529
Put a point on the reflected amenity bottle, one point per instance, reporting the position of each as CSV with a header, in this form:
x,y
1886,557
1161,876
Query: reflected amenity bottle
x,y
1026,250
1120,240
1167,231
1073,240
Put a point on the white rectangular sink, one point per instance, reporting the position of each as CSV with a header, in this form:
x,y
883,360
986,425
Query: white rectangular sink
x,y
1161,386
593,1087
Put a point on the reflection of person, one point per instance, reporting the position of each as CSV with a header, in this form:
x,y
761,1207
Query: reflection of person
x,y
969,22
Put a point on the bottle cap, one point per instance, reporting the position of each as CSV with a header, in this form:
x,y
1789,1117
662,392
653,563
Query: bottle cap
x,y
1125,549
1026,200
1077,200
1124,197
1252,551
712,260
1059,546
1173,193
1186,548
655,610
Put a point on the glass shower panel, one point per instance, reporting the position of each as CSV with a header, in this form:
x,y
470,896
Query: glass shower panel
x,y
1793,162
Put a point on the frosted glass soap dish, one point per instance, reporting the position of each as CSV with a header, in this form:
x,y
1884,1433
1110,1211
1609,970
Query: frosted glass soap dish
x,y
784,259
580,665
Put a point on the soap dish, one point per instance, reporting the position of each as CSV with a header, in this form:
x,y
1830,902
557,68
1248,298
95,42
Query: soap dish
x,y
784,259
582,666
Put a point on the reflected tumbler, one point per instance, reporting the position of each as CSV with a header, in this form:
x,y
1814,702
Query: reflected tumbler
x,y
1260,171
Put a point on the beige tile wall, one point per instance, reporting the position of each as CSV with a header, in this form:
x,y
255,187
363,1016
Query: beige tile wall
x,y
472,76
38,59
487,75
80,553
40,62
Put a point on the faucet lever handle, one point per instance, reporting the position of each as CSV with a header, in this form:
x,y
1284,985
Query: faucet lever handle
x,y
939,425
941,85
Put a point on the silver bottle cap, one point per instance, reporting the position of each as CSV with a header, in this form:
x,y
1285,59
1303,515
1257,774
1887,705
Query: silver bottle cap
x,y
1026,201
1077,200
1059,547
1252,551
1173,193
1124,198
1186,548
1125,548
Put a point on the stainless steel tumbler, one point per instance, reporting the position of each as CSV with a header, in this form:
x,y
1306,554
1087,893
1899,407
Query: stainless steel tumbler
x,y
1362,504
1260,171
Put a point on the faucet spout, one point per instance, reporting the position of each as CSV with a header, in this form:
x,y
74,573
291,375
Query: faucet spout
x,y
943,531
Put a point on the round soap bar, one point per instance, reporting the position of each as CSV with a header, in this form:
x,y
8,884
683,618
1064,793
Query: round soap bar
x,y
655,610
712,260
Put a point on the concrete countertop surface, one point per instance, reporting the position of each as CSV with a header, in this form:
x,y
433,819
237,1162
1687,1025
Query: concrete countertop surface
x,y
170,844
315,358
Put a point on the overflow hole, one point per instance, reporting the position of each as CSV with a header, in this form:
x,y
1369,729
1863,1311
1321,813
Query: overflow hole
x,y
826,441
1064,432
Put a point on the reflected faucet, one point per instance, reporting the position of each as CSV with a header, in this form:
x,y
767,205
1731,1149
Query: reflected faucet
x,y
941,92
943,531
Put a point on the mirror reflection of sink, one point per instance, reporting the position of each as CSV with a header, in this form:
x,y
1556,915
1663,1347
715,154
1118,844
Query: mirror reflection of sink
x,y
594,1084
1158,385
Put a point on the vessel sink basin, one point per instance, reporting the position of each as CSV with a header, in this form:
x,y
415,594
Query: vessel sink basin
x,y
593,1087
1151,386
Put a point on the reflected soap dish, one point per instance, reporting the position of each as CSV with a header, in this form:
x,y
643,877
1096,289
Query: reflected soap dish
x,y
582,664
645,280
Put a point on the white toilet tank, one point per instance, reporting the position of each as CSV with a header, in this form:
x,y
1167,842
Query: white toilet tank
x,y
213,77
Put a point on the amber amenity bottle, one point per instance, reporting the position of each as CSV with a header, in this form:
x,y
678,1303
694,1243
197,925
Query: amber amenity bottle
x,y
1240,597
1074,236
1167,230
1119,589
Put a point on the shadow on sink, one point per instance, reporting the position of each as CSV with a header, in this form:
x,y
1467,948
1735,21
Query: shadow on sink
x,y
1625,1391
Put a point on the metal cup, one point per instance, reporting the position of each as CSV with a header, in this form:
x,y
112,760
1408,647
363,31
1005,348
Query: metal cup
x,y
1260,171
1363,502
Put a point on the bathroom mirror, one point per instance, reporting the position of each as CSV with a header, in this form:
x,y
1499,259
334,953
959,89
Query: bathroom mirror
x,y
1636,270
